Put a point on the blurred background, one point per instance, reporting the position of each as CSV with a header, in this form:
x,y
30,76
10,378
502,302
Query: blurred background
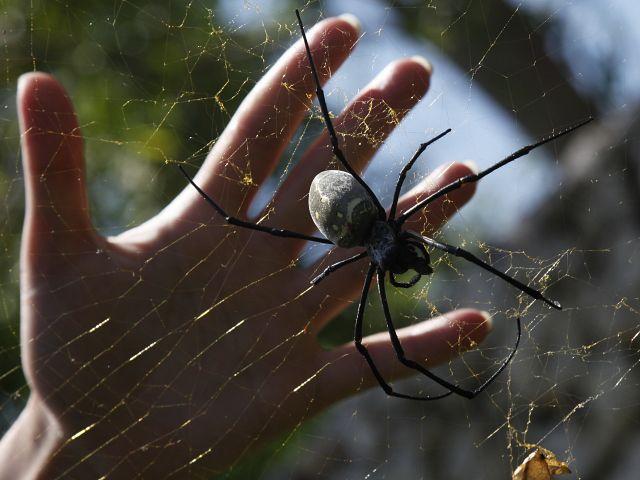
x,y
155,83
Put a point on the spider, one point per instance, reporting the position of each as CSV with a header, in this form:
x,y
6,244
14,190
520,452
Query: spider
x,y
348,214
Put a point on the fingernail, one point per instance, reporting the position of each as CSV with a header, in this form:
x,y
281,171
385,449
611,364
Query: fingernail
x,y
21,81
488,320
424,62
439,170
24,78
472,165
353,20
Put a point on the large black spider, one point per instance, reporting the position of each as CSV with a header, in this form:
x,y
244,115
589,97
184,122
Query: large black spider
x,y
347,212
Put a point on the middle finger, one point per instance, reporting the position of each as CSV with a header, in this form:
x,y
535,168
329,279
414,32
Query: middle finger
x,y
362,127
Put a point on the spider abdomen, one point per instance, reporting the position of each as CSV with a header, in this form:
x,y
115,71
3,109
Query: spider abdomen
x,y
341,208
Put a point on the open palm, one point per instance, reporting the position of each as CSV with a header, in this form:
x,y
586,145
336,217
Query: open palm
x,y
176,347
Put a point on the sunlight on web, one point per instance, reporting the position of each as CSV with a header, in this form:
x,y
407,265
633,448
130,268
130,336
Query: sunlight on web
x,y
185,354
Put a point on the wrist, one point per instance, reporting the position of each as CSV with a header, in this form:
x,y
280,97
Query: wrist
x,y
29,443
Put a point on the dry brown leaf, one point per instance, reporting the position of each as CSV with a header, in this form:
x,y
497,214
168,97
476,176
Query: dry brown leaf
x,y
541,464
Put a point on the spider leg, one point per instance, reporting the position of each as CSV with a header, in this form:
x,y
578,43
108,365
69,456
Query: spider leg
x,y
474,177
397,346
278,232
332,132
407,167
365,352
332,268
459,252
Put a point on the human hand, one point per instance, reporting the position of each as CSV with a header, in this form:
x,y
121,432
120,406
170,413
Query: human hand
x,y
176,347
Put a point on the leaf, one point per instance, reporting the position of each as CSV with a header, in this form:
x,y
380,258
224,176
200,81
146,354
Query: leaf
x,y
541,464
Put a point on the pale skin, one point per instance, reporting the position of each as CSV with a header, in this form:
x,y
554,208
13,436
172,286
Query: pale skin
x,y
175,349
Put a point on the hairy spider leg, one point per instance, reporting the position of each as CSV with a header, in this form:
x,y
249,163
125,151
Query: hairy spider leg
x,y
336,266
365,352
278,232
407,167
474,177
397,346
332,132
459,252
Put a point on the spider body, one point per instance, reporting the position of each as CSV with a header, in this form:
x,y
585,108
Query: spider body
x,y
348,213
392,250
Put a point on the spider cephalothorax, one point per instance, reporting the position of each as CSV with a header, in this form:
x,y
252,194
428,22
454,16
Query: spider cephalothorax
x,y
348,214
396,251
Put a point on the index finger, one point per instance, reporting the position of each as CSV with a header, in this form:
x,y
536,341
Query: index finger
x,y
259,131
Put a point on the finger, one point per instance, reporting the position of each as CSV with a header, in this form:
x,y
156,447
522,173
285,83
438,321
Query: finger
x,y
339,288
431,342
362,127
56,198
439,212
259,131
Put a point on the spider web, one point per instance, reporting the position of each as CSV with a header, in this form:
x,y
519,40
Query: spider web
x,y
156,84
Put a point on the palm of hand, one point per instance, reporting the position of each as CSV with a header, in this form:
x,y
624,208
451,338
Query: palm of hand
x,y
162,335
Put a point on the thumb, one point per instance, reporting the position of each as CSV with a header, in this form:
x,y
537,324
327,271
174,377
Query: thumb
x,y
56,198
